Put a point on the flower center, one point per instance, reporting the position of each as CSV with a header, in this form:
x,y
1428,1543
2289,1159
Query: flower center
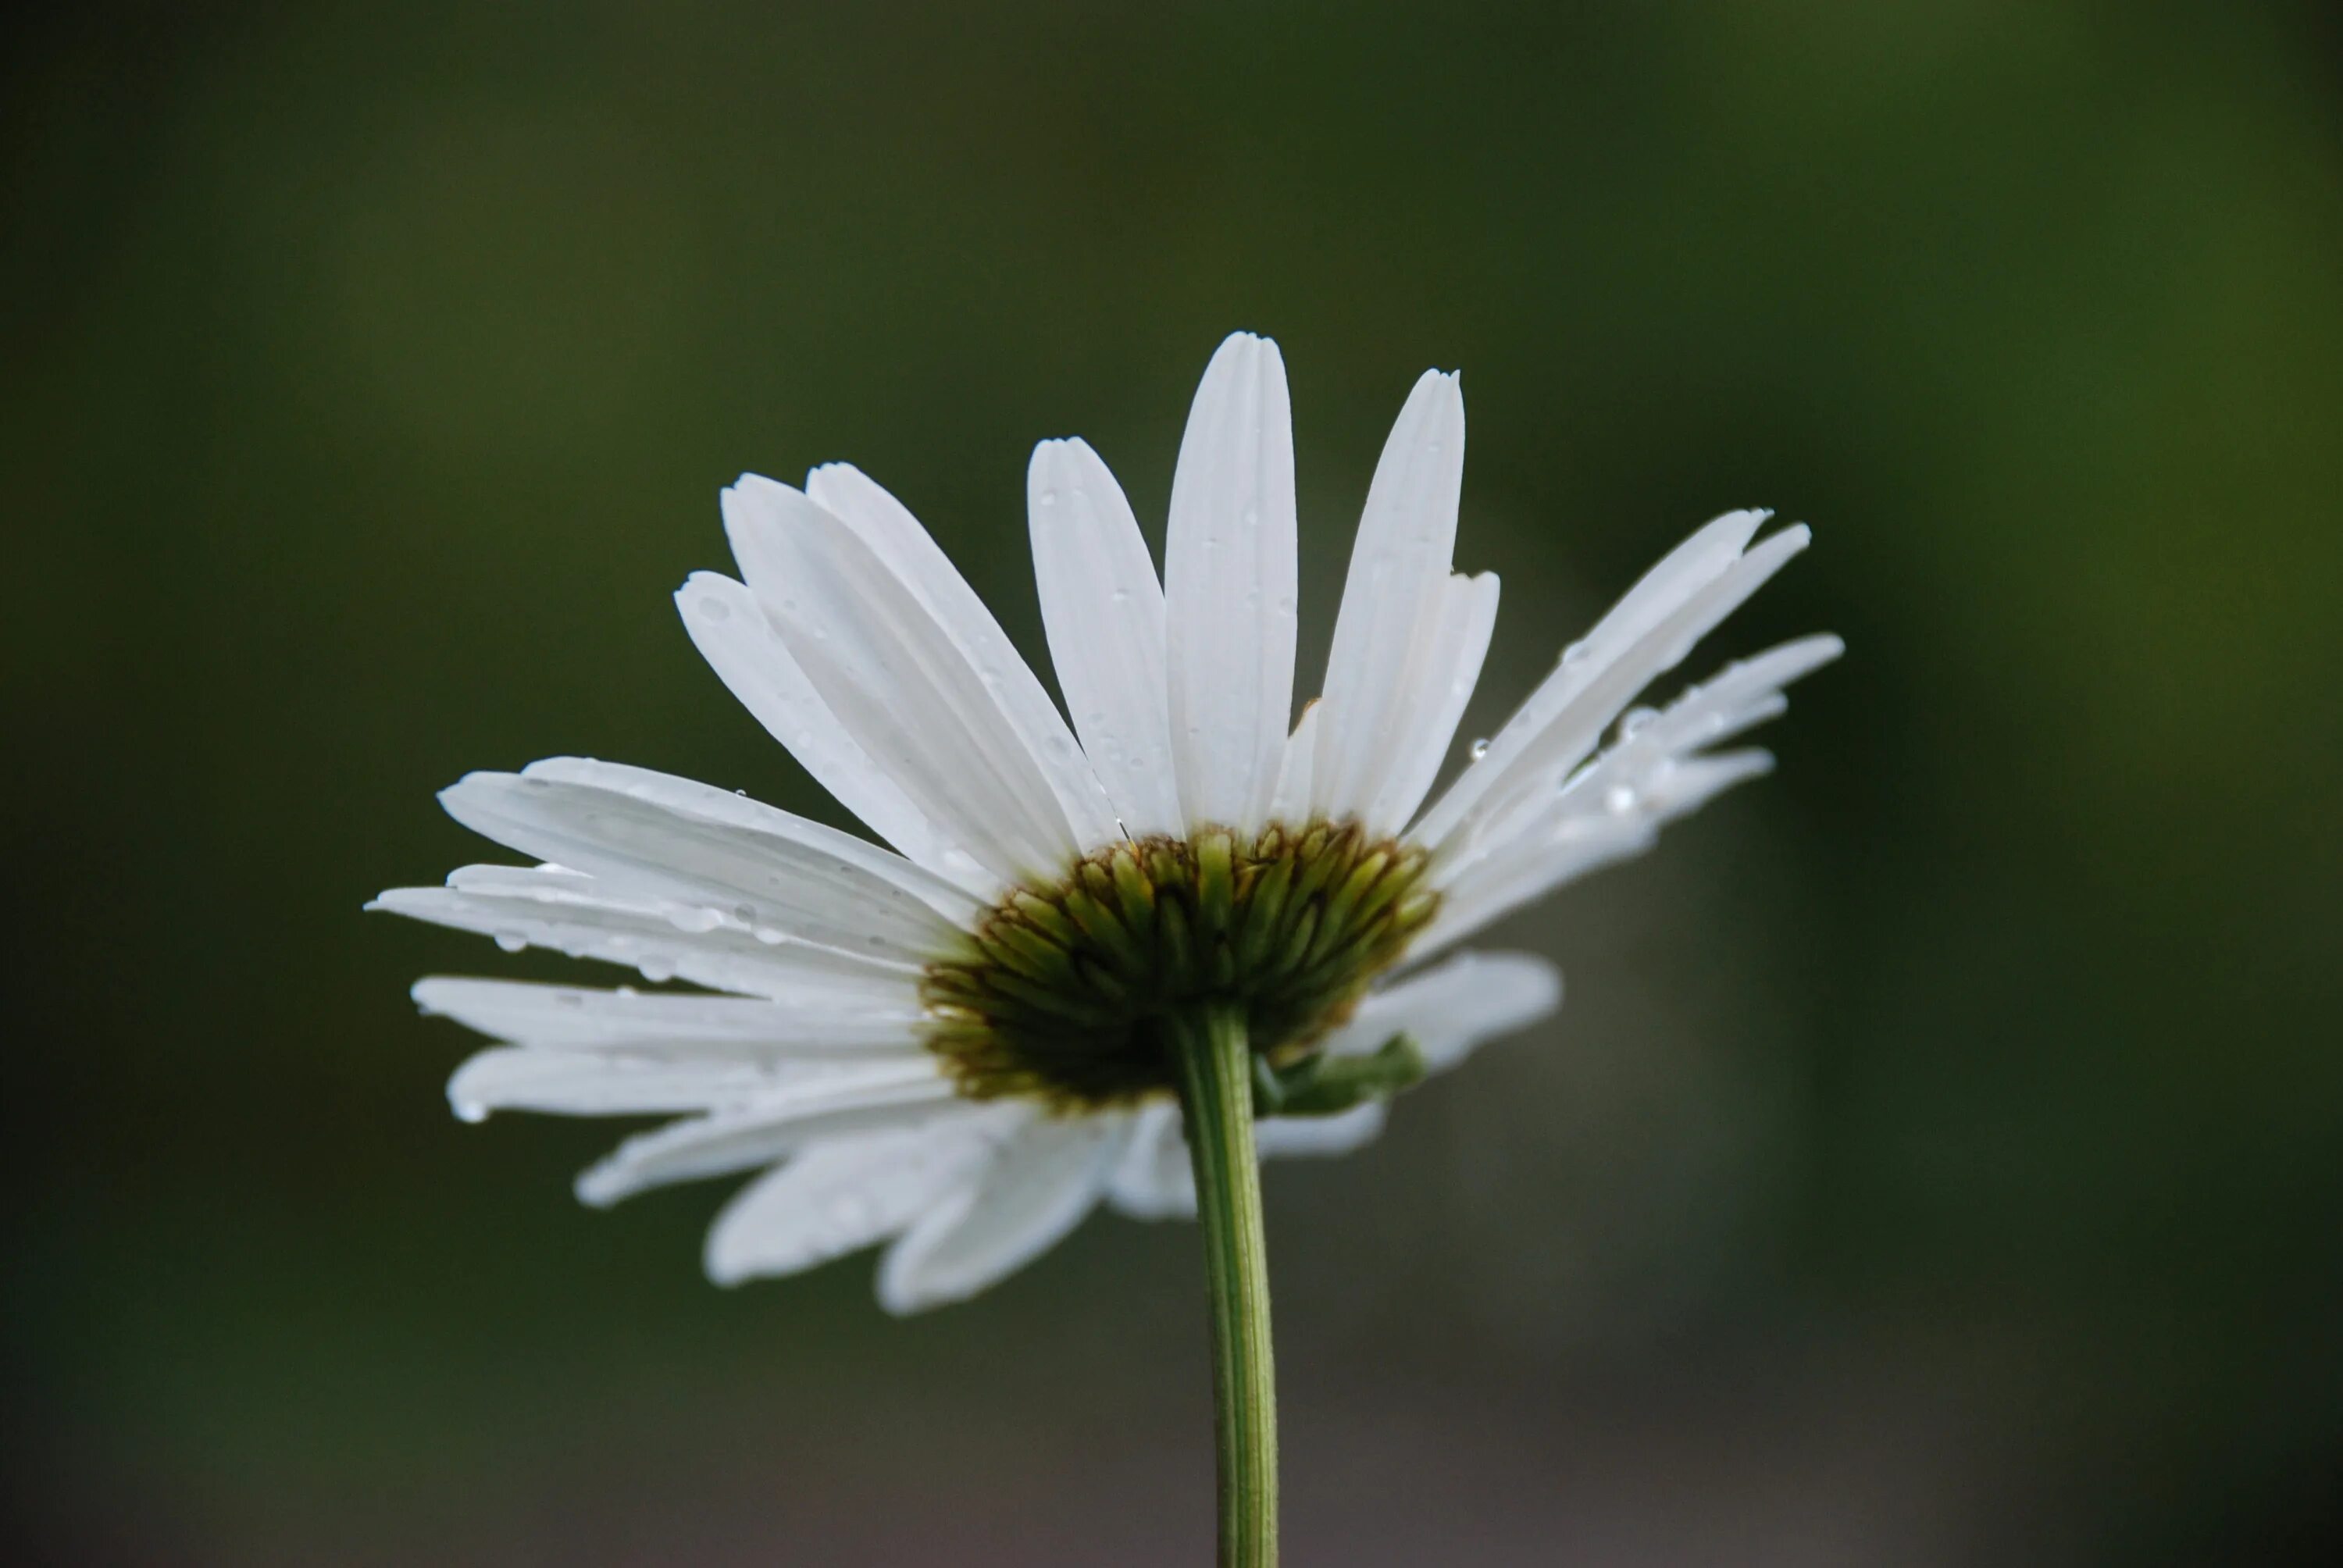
x,y
1060,992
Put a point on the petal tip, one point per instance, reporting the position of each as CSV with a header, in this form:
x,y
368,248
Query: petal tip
x,y
600,1186
1243,350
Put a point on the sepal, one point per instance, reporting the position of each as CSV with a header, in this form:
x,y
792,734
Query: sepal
x,y
1323,1085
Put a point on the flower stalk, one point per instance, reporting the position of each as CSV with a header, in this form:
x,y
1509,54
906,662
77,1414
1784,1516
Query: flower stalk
x,y
1215,1064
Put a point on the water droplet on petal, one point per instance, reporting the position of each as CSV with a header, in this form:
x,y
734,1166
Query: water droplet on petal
x,y
1047,499
1479,748
511,941
1633,719
656,968
1574,653
1619,799
470,1111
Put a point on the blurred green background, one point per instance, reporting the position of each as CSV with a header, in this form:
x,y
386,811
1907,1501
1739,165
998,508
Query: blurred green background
x,y
1940,1156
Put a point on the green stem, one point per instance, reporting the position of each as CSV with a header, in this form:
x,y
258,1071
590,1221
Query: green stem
x,y
1216,1089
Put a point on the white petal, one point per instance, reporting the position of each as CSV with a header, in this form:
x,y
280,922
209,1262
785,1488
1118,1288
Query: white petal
x,y
1320,1137
1290,801
901,684
1713,547
1527,843
677,1025
1636,770
1681,575
1440,682
1228,586
639,831
1450,1010
896,538
1152,1179
729,628
1524,878
840,1196
1038,1188
1104,612
592,1083
1584,842
1391,599
1745,692
784,1119
1647,633
574,914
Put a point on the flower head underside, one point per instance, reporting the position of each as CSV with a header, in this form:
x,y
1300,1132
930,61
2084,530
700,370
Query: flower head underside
x,y
1068,992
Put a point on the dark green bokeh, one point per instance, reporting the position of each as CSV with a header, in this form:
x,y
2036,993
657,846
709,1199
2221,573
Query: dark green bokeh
x,y
1940,1157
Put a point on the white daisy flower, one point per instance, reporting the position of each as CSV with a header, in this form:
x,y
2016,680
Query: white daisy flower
x,y
962,1045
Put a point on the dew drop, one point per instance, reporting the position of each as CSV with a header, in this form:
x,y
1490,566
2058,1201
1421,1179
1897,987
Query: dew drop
x,y
511,941
771,936
1634,720
1047,499
656,968
1619,799
1574,653
713,608
1479,748
470,1111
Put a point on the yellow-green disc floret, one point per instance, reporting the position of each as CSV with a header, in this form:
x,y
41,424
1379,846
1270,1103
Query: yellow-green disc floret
x,y
1062,993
